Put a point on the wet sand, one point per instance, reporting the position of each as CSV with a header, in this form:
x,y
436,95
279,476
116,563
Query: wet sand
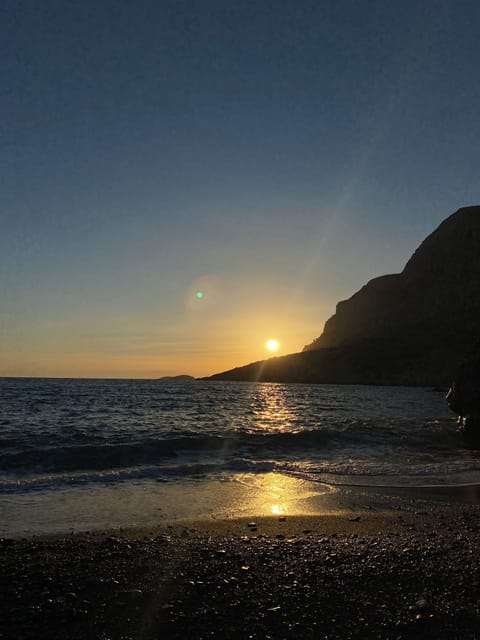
x,y
379,567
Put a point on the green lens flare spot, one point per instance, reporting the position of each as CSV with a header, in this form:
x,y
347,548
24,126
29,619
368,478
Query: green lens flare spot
x,y
199,295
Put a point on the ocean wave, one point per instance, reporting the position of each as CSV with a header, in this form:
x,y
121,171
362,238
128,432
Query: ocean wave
x,y
109,431
355,438
104,456
388,475
160,473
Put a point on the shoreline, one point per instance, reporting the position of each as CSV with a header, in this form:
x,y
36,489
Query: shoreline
x,y
205,504
362,510
350,510
421,520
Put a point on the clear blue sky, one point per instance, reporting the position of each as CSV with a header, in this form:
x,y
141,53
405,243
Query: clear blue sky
x,y
275,155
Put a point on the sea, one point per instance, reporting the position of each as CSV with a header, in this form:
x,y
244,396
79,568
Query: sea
x,y
80,454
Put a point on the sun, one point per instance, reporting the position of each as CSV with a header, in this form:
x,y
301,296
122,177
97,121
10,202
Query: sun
x,y
272,345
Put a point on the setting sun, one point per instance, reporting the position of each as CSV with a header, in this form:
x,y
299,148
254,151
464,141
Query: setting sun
x,y
272,345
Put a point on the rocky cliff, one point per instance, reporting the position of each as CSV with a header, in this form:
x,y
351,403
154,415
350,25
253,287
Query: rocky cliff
x,y
406,328
438,292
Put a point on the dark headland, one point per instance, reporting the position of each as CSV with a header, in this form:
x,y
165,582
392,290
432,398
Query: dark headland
x,y
180,378
408,328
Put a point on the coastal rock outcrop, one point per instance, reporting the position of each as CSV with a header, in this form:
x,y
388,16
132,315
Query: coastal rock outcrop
x,y
438,291
407,328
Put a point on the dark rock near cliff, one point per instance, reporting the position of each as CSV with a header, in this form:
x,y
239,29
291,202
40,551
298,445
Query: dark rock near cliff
x,y
407,328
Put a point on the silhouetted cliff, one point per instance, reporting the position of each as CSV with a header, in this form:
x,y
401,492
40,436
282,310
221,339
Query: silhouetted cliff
x,y
407,328
437,291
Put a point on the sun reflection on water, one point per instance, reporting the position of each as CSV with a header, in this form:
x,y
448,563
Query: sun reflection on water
x,y
270,407
278,495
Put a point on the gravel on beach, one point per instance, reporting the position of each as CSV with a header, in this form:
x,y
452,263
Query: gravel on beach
x,y
415,578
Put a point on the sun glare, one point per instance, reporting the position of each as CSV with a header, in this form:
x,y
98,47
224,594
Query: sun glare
x,y
272,345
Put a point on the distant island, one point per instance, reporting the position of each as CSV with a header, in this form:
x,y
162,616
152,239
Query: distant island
x,y
410,328
180,378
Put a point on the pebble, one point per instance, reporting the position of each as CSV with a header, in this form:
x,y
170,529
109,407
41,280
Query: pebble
x,y
421,604
406,585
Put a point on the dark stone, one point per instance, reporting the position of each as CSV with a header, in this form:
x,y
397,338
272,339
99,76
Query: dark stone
x,y
463,397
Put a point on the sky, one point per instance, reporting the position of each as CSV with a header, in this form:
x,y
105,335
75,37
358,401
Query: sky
x,y
273,155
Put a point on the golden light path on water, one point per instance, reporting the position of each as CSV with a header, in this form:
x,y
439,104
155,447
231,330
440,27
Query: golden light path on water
x,y
272,413
275,494
272,493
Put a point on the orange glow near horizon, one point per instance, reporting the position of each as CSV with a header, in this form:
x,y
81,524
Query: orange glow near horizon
x,y
201,342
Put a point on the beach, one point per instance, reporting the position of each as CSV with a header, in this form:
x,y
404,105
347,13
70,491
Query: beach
x,y
403,566
137,511
240,320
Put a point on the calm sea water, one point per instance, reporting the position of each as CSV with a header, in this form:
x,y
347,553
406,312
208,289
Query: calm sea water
x,y
58,435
